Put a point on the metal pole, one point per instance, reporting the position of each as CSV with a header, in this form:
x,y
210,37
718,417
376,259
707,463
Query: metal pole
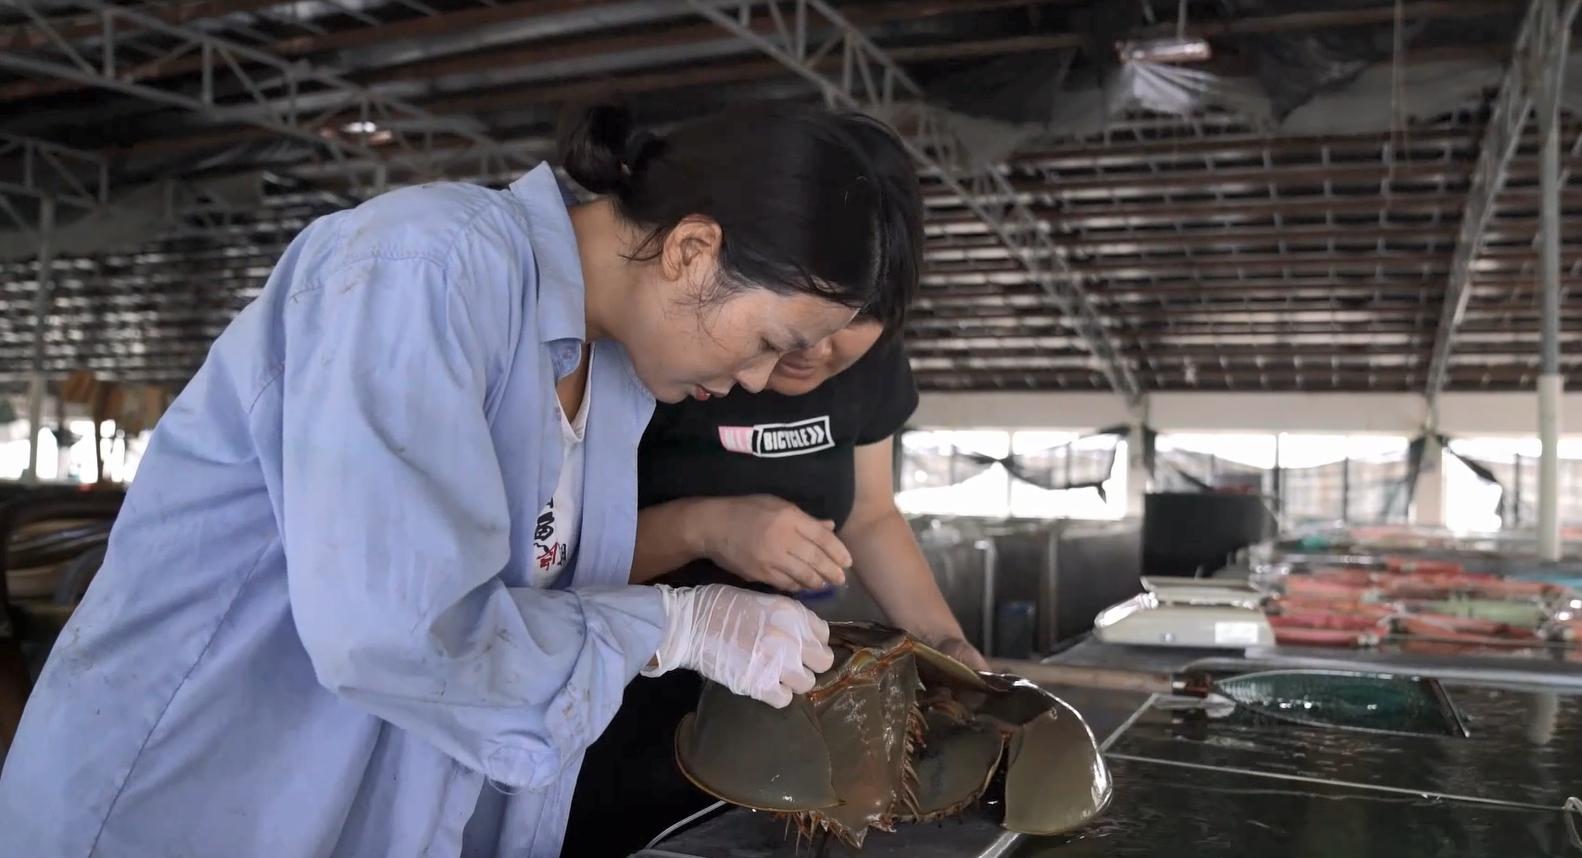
x,y
1428,496
1550,382
1345,489
1137,456
1516,490
1279,481
41,304
991,563
897,459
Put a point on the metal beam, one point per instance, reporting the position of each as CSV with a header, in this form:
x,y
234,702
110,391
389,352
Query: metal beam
x,y
269,90
548,45
1551,384
1244,147
870,80
1308,21
41,307
307,44
1535,45
511,13
21,37
690,35
49,169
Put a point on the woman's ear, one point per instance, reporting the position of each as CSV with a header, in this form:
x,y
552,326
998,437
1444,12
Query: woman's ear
x,y
692,250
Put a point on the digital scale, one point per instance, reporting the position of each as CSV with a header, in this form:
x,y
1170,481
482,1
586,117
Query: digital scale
x,y
1187,612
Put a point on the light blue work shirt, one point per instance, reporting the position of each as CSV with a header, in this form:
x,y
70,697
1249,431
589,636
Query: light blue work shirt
x,y
313,634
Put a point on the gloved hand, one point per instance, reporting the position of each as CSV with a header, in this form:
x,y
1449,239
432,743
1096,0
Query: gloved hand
x,y
766,647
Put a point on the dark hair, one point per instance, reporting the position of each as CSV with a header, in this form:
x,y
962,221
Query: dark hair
x,y
808,200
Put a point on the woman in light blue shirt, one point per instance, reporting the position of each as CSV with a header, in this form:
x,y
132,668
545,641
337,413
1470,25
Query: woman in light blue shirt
x,y
326,625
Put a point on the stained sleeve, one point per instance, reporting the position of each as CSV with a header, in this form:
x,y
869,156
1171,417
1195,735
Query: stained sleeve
x,y
396,529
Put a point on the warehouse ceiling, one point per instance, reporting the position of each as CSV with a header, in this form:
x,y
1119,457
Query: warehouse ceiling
x,y
1279,215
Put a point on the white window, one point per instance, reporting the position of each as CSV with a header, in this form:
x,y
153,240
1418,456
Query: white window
x,y
1321,477
1077,463
1473,504
958,472
938,481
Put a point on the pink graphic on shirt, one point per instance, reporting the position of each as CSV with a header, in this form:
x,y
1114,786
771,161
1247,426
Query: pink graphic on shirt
x,y
549,551
551,555
737,439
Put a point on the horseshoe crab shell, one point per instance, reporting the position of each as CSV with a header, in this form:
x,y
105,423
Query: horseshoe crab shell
x,y
896,731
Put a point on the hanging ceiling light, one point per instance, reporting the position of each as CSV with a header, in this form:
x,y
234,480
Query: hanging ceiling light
x,y
1179,48
1191,49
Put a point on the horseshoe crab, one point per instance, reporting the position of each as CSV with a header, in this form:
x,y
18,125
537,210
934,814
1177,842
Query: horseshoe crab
x,y
896,731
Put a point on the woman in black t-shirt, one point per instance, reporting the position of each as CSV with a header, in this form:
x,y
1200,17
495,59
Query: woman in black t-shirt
x,y
783,489
790,487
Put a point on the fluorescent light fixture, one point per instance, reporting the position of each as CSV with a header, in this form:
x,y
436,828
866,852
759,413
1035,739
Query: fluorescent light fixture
x,y
361,126
1175,49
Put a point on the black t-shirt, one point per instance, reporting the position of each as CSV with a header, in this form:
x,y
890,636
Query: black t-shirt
x,y
799,448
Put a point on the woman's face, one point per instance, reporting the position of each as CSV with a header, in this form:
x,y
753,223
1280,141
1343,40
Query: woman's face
x,y
803,371
685,341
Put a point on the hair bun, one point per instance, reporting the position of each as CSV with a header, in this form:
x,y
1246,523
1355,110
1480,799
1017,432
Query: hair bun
x,y
638,147
594,144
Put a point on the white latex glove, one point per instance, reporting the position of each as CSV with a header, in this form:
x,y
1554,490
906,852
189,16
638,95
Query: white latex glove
x,y
766,647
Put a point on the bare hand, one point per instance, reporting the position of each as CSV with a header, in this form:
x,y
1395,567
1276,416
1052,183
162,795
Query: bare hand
x,y
770,540
964,652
